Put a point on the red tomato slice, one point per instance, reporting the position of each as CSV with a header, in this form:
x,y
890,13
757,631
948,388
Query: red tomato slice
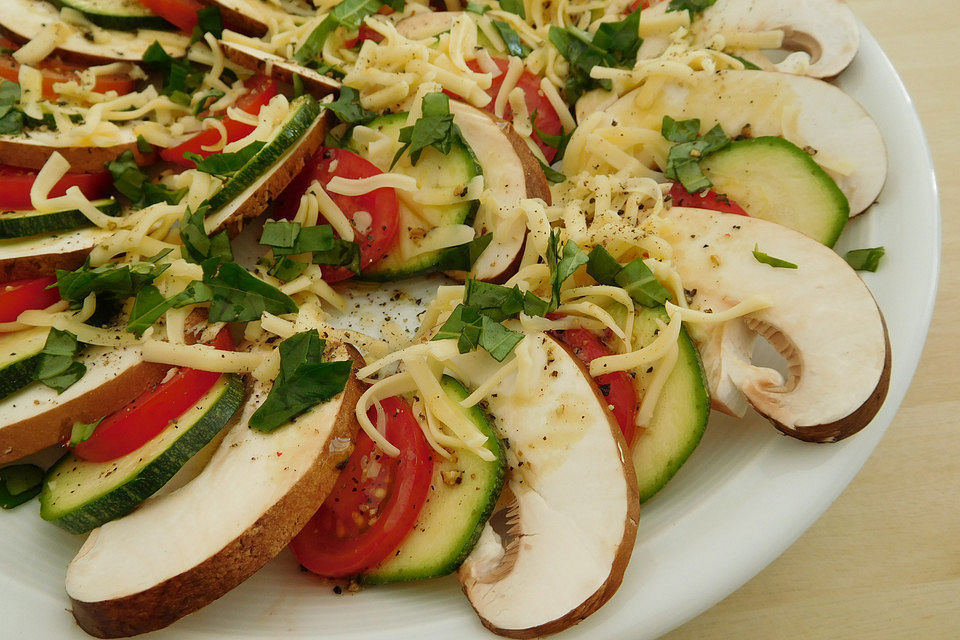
x,y
54,70
142,420
15,184
644,4
547,122
382,205
711,200
22,295
364,33
182,13
260,90
617,387
375,502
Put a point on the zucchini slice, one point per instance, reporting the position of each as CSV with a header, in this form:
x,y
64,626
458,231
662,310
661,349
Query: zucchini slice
x,y
250,189
79,496
774,179
680,416
22,224
434,171
125,15
462,496
19,357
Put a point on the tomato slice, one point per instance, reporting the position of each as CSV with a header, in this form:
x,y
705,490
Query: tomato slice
x,y
375,502
375,238
617,387
547,121
710,200
55,70
15,185
22,295
182,13
363,33
142,420
260,90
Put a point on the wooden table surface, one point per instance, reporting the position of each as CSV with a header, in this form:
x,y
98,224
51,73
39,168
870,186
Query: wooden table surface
x,y
884,561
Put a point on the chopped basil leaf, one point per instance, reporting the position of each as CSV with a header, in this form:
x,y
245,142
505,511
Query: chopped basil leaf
x,y
514,6
493,300
57,368
131,182
558,142
746,63
298,89
19,483
206,100
143,146
638,280
770,260
578,49
150,304
462,256
498,340
476,7
288,238
349,14
305,380
113,281
635,278
181,80
562,265
682,131
197,246
81,432
238,296
865,259
347,107
464,326
602,266
225,164
683,160
434,128
690,6
208,21
286,269
11,118
620,39
550,173
515,46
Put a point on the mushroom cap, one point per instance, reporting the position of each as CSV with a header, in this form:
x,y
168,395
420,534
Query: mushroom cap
x,y
574,514
811,113
825,29
204,539
821,318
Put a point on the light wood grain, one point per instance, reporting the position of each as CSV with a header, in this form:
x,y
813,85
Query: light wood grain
x,y
884,561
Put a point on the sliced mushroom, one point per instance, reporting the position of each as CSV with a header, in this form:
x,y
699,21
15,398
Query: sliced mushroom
x,y
573,522
38,256
826,30
26,19
181,551
280,69
254,17
32,149
428,24
821,318
511,172
37,416
812,114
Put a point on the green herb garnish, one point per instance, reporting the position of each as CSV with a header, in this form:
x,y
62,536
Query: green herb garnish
x,y
19,483
58,368
770,260
865,259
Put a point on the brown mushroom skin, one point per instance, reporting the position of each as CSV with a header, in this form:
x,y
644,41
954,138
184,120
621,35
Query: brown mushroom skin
x,y
38,266
167,602
281,70
258,201
52,427
625,550
31,155
853,423
536,184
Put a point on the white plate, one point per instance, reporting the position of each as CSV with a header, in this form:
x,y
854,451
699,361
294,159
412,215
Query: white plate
x,y
745,495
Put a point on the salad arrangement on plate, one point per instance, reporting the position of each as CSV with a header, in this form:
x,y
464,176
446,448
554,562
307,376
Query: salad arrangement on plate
x,y
624,199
